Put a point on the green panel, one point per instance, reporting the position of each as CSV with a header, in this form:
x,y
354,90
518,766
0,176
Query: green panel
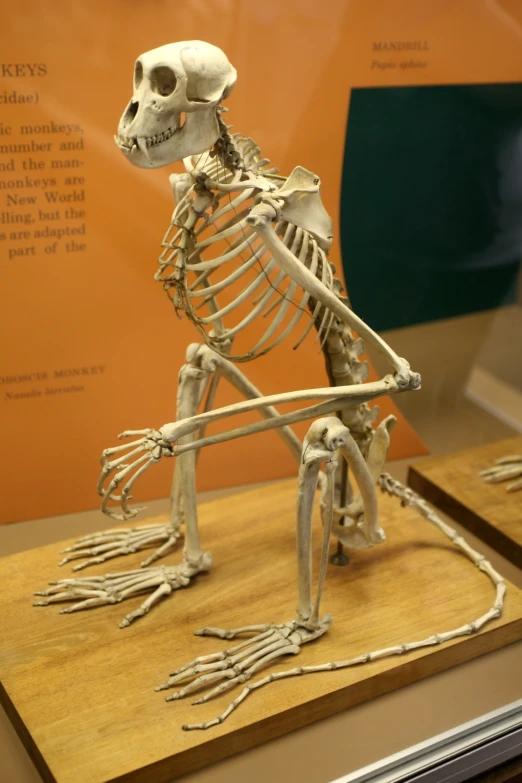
x,y
431,202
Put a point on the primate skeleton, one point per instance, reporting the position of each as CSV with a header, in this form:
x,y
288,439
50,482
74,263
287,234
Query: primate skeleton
x,y
246,247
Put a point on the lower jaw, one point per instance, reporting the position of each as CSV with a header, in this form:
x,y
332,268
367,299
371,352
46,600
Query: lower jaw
x,y
154,157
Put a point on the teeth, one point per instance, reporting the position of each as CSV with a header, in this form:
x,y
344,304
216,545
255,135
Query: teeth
x,y
123,142
145,142
151,141
142,145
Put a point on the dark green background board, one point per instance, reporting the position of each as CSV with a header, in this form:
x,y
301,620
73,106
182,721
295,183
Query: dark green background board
x,y
431,202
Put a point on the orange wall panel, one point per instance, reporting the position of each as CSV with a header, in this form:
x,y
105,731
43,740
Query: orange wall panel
x,y
95,334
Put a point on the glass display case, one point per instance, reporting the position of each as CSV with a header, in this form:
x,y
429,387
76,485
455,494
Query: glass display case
x,y
399,125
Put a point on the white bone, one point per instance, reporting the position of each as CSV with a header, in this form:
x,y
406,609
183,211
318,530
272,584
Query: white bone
x,y
228,195
300,307
504,469
410,498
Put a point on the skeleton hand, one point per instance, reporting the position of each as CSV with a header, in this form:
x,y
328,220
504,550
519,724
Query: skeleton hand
x,y
113,588
503,469
155,447
237,664
100,547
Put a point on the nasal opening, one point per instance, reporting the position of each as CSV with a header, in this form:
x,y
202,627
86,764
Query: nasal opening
x,y
130,113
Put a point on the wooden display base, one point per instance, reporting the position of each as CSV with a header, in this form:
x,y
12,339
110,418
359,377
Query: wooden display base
x,y
453,484
80,690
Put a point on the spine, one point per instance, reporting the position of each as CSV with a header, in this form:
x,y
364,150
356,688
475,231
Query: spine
x,y
341,353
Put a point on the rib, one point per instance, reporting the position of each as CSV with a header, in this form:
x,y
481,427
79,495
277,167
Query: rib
x,y
248,232
269,293
204,276
254,285
313,269
231,205
223,233
214,263
302,304
218,287
326,281
285,304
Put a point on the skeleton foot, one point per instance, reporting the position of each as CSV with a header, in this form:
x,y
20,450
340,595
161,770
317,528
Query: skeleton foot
x,y
504,469
235,665
113,588
100,547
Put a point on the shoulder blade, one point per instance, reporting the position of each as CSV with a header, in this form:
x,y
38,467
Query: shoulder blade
x,y
303,207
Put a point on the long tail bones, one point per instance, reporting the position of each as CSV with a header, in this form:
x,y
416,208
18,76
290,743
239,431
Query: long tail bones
x,y
234,666
131,461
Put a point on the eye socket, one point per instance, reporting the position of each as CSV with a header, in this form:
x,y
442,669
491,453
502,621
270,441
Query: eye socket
x,y
162,80
138,74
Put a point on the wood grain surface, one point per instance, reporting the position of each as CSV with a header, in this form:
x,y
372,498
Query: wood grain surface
x,y
80,690
453,484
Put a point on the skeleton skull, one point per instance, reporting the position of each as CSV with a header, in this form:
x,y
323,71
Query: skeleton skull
x,y
173,111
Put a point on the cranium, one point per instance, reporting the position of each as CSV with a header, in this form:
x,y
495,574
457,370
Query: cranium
x,y
173,111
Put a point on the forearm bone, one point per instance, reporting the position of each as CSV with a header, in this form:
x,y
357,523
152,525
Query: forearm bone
x,y
260,218
334,398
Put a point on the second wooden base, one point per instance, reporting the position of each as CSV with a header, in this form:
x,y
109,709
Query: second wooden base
x,y
80,690
452,482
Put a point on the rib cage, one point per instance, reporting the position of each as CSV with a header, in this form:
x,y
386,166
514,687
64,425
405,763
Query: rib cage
x,y
214,249
198,235
221,276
